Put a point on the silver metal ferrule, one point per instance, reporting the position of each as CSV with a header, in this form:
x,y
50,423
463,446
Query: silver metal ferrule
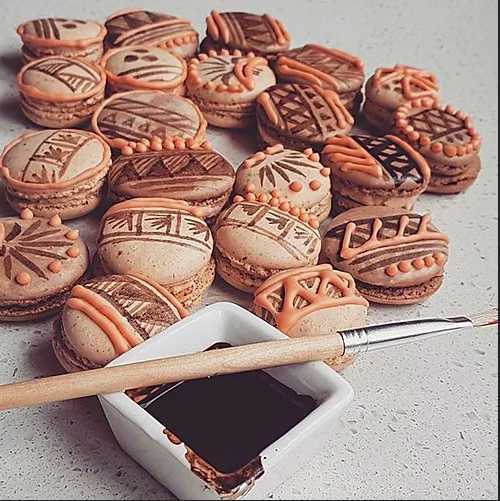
x,y
378,337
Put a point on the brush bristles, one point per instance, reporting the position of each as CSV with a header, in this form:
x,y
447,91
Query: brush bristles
x,y
485,318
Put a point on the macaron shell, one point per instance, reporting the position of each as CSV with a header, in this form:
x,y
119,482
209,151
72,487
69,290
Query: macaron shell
x,y
61,29
395,261
31,247
166,245
291,173
86,338
136,115
53,156
61,77
258,235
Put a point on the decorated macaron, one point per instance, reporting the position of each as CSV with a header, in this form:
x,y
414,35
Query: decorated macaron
x,y
369,170
325,67
261,34
144,68
390,88
395,256
56,36
142,120
56,171
298,176
40,261
197,174
226,84
446,137
106,316
301,116
164,240
146,28
311,301
258,236
59,92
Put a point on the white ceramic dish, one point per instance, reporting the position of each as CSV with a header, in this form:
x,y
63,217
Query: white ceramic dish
x,y
142,436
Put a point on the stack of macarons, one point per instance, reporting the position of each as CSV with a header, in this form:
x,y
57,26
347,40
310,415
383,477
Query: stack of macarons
x,y
127,104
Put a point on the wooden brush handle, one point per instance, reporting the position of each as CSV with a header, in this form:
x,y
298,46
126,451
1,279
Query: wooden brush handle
x,y
170,370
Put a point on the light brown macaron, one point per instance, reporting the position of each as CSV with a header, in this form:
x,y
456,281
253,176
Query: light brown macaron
x,y
256,237
447,139
151,29
162,239
59,92
106,316
56,36
390,88
311,301
369,170
325,67
60,171
262,34
200,176
144,68
301,116
395,256
225,86
40,261
142,120
299,177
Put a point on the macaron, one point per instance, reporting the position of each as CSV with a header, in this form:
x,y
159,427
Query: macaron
x,y
144,68
141,120
106,316
256,237
301,116
325,67
390,88
369,170
59,92
261,34
40,261
164,240
58,171
57,36
226,84
199,175
312,301
446,138
298,176
146,28
396,256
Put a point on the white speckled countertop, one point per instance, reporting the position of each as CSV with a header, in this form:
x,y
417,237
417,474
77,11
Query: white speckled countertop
x,y
424,420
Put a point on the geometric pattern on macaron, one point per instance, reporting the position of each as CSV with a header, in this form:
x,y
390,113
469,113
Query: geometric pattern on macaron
x,y
255,239
247,32
162,239
38,167
301,113
287,297
40,259
387,248
386,157
139,119
411,83
142,27
317,65
199,176
438,129
294,175
127,309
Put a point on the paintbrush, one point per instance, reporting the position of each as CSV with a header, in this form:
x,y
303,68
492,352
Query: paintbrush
x,y
232,360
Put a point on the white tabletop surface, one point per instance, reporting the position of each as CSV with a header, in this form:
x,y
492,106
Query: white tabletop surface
x,y
424,420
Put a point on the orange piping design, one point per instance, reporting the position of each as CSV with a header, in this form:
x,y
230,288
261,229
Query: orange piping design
x,y
290,281
373,242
